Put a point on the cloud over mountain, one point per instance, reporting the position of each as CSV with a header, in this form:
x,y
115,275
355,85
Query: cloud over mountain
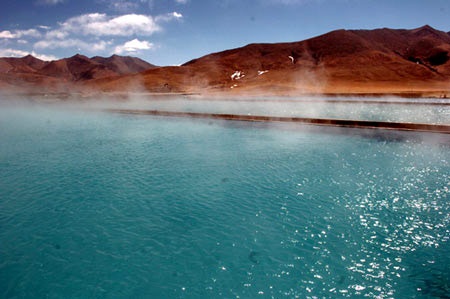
x,y
133,46
20,53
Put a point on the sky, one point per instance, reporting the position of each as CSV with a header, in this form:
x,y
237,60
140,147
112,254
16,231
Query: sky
x,y
172,32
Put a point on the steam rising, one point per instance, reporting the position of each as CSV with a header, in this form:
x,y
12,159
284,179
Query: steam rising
x,y
372,109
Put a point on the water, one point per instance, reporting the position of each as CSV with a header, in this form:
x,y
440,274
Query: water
x,y
97,205
313,108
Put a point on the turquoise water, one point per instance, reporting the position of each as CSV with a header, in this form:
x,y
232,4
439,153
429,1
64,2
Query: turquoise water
x,y
97,205
434,114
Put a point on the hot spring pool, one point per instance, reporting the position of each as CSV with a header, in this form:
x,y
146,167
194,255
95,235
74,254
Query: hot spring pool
x,y
97,205
374,109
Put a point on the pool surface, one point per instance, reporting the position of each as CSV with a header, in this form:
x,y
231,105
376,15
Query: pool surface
x,y
98,205
373,109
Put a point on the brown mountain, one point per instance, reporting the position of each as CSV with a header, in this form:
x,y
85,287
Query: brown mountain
x,y
33,62
342,61
24,64
81,68
124,64
30,71
23,72
76,68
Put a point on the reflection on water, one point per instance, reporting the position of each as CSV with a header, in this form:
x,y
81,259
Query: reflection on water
x,y
105,205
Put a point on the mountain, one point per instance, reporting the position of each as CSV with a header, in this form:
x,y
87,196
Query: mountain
x,y
77,68
124,64
33,62
24,64
342,61
31,71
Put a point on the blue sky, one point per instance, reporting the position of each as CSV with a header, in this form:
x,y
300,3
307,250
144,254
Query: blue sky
x,y
171,32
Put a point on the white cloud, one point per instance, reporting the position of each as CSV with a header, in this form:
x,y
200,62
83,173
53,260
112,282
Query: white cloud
x,y
129,5
60,34
73,43
177,15
6,34
169,17
12,53
21,53
123,5
133,46
44,27
88,32
99,24
44,57
19,33
50,2
29,32
125,25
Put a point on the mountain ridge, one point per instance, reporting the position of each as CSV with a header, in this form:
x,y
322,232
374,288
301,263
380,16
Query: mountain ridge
x,y
29,70
340,61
